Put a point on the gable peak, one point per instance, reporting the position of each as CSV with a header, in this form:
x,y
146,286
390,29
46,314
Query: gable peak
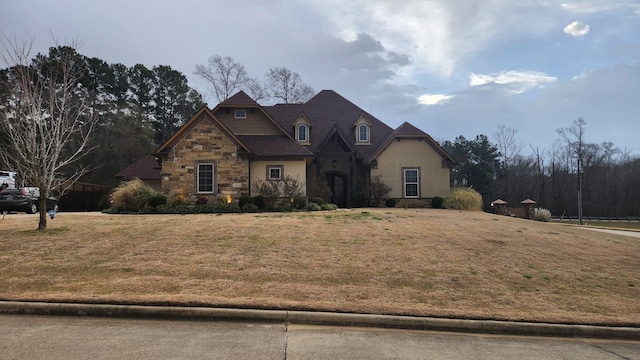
x,y
239,99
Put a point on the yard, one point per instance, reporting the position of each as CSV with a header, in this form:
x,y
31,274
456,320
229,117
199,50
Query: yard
x,y
383,261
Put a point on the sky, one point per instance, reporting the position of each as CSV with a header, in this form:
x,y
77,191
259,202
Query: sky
x,y
449,67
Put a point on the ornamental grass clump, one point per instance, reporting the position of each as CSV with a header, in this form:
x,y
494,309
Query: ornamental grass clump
x,y
132,195
464,199
542,215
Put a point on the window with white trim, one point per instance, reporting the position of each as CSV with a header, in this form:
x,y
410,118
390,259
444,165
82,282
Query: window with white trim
x,y
302,133
205,178
240,114
411,180
274,172
363,133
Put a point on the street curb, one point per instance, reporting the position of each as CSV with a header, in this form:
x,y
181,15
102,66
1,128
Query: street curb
x,y
320,318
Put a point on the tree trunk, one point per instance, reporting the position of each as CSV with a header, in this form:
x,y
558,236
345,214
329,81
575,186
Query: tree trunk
x,y
42,224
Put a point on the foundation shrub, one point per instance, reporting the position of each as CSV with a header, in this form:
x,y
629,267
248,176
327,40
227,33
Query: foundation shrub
x,y
437,202
378,189
259,201
244,199
299,202
177,201
313,207
329,207
250,208
320,189
157,200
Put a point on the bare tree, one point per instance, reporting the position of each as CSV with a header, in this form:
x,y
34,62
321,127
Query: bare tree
x,y
225,75
287,86
509,149
46,117
574,137
255,89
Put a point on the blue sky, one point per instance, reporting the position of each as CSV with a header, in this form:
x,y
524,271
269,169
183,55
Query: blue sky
x,y
450,67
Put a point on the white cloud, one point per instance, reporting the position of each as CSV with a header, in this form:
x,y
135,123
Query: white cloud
x,y
598,6
589,7
518,81
433,99
437,35
577,29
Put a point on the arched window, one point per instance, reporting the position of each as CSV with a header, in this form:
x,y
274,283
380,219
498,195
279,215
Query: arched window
x,y
302,133
363,133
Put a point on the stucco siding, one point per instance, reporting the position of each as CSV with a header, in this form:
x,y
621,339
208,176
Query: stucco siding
x,y
294,169
413,153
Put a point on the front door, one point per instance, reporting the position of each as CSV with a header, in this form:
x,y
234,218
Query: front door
x,y
337,183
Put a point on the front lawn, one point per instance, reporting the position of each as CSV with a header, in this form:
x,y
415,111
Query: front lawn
x,y
383,261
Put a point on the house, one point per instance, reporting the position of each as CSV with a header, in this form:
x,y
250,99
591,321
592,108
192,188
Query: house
x,y
221,152
146,169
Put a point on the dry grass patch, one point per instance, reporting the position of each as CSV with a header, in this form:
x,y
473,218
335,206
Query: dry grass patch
x,y
384,261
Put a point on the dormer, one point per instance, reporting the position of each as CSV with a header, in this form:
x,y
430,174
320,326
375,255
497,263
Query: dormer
x,y
302,129
362,130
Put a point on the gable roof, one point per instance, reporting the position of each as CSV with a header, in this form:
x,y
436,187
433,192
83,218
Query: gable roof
x,y
190,124
258,145
409,131
239,99
146,168
326,110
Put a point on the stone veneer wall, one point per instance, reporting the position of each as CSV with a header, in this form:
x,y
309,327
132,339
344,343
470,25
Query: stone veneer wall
x,y
205,143
414,203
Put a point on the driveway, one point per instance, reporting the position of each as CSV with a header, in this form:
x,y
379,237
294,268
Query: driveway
x,y
631,233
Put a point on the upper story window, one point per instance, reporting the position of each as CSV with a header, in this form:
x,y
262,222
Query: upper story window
x,y
363,133
302,129
302,133
240,114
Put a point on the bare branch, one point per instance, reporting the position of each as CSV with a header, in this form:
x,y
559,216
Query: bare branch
x,y
287,86
45,116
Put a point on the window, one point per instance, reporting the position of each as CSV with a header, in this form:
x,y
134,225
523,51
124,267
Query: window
x,y
301,134
205,178
274,172
363,133
411,183
241,114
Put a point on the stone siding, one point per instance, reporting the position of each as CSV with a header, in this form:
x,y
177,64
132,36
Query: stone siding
x,y
414,203
205,143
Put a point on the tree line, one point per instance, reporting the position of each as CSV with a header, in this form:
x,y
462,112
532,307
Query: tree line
x,y
606,175
119,114
132,110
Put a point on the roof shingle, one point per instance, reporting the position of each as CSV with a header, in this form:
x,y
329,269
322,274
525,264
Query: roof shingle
x,y
147,168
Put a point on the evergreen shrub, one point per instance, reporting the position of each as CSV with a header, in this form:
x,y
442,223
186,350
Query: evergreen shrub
x,y
437,202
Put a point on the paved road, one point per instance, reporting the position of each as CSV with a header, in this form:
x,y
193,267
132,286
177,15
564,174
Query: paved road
x,y
52,338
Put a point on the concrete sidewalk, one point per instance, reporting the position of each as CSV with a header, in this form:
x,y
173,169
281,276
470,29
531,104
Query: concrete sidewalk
x,y
321,318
